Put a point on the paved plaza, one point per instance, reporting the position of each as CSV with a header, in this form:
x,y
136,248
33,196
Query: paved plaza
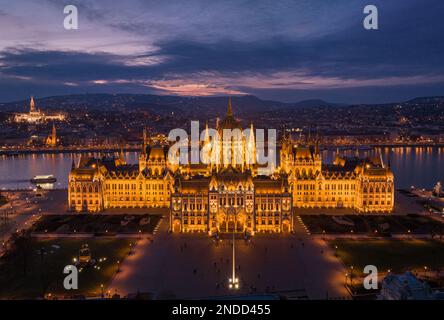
x,y
193,266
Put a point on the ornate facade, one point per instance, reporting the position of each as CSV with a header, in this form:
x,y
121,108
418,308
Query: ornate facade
x,y
228,193
366,185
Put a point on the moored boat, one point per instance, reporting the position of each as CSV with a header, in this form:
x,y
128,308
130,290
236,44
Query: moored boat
x,y
43,179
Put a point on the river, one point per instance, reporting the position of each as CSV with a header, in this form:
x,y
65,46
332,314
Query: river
x,y
412,166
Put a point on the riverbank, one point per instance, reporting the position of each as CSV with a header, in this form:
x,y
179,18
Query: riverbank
x,y
19,151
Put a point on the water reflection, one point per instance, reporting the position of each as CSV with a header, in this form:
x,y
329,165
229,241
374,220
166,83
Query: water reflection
x,y
418,166
412,166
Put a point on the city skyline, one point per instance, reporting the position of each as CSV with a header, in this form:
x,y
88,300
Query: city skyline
x,y
283,53
207,151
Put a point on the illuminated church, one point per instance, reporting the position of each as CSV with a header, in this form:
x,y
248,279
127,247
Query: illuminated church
x,y
229,191
36,115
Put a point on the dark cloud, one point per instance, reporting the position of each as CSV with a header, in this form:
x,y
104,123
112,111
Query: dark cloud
x,y
407,46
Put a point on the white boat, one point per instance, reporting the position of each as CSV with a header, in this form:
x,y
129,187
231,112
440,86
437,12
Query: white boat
x,y
43,179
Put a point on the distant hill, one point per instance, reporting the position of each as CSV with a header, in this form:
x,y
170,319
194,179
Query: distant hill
x,y
426,100
159,104
314,103
186,106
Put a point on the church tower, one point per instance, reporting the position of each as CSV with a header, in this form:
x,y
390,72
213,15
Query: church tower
x,y
51,140
32,105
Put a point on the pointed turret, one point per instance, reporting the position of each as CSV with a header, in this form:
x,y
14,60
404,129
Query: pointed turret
x,y
380,159
121,154
251,147
144,137
207,134
54,133
230,108
317,147
206,151
309,136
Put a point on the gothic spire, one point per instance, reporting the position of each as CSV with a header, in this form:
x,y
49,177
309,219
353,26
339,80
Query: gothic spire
x,y
54,132
144,141
230,108
121,155
32,105
207,134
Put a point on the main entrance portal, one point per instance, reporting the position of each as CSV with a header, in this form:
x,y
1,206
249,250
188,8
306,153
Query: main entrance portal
x,y
231,222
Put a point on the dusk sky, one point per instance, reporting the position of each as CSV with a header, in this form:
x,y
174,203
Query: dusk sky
x,y
281,50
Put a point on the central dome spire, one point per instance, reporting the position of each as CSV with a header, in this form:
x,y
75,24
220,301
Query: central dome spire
x,y
230,108
230,122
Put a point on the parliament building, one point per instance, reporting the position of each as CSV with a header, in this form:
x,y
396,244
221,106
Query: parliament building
x,y
228,195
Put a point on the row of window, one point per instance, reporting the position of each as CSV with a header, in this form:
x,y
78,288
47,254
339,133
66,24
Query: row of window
x,y
84,189
326,193
320,199
134,199
133,186
140,193
382,202
326,187
258,221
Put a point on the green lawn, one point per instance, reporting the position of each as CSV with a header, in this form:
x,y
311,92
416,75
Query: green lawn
x,y
26,274
373,224
97,223
397,255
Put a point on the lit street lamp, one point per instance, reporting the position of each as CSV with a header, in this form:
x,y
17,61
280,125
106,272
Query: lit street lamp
x,y
233,281
351,275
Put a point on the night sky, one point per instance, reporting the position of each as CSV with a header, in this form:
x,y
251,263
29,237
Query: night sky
x,y
277,49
